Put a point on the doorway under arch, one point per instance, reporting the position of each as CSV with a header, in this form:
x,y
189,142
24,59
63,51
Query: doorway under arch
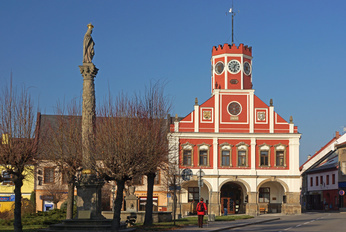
x,y
232,198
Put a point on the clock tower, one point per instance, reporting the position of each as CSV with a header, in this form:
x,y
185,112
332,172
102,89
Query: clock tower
x,y
231,67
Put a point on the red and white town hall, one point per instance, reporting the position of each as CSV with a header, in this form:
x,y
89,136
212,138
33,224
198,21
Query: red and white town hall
x,y
248,153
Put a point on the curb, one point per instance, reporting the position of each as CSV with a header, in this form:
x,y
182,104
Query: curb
x,y
246,224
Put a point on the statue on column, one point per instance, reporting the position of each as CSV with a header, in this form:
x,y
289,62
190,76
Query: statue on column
x,y
88,45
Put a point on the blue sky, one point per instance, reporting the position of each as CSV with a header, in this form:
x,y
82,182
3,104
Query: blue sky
x,y
298,48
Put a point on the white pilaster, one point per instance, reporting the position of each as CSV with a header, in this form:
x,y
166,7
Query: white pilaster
x,y
196,118
251,112
271,119
217,110
215,155
253,155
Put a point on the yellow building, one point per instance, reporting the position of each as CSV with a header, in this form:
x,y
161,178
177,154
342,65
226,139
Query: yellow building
x,y
7,189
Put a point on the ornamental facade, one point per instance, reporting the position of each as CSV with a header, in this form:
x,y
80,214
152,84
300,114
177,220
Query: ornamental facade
x,y
248,153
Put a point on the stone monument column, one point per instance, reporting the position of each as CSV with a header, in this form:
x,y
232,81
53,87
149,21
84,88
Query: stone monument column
x,y
88,184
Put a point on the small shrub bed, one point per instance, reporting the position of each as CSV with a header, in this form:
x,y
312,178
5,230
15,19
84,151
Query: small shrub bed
x,y
40,218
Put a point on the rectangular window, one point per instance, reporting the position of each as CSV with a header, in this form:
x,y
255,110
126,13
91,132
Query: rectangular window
x,y
203,157
327,179
241,158
333,179
311,182
193,194
264,195
49,175
6,178
187,157
316,180
280,158
264,158
321,180
225,158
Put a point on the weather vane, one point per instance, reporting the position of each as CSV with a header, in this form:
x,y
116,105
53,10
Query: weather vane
x,y
231,11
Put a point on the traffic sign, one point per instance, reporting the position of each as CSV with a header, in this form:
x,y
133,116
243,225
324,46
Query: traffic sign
x,y
341,192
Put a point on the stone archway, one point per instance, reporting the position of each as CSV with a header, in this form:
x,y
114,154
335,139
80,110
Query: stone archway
x,y
271,196
233,197
189,195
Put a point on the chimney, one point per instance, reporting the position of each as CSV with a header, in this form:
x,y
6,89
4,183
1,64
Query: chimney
x,y
337,134
309,157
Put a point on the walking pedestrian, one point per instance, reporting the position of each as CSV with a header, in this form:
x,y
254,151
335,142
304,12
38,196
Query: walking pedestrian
x,y
201,211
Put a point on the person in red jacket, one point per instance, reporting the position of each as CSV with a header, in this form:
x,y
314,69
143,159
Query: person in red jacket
x,y
201,211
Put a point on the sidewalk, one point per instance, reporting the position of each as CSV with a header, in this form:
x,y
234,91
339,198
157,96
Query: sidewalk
x,y
224,225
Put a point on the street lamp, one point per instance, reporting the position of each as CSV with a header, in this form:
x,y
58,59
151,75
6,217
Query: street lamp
x,y
113,194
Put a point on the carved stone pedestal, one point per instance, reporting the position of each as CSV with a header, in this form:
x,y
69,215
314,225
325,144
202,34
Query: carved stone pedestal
x,y
89,197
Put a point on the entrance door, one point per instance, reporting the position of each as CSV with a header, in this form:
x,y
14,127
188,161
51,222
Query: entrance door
x,y
229,204
231,198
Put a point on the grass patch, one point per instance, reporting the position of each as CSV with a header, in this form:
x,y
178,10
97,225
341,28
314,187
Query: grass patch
x,y
28,228
187,221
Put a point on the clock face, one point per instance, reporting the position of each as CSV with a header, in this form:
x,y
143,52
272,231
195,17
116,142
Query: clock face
x,y
234,66
247,68
234,108
219,67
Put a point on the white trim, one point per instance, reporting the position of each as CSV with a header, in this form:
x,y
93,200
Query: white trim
x,y
271,119
196,124
226,73
217,111
242,73
232,55
251,112
259,136
215,154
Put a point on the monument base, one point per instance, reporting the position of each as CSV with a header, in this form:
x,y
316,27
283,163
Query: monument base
x,y
89,196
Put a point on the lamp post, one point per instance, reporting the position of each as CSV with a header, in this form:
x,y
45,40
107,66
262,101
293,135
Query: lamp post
x,y
113,194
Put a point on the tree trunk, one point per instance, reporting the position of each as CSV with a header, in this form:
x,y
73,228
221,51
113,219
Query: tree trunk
x,y
70,200
18,183
118,204
149,206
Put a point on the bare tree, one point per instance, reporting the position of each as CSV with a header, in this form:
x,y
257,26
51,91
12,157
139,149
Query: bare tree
x,y
119,145
18,143
61,143
154,107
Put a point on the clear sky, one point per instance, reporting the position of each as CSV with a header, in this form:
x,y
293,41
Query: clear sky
x,y
298,48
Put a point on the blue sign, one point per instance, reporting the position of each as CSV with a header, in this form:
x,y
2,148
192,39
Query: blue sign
x,y
7,198
341,192
4,198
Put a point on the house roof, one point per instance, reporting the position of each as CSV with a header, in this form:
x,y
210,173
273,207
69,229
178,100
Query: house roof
x,y
330,161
